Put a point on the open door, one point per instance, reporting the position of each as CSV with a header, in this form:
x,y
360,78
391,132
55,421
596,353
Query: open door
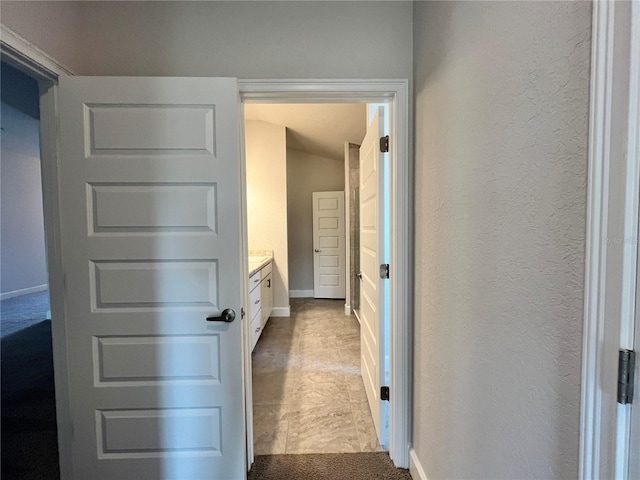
x,y
150,219
372,298
329,249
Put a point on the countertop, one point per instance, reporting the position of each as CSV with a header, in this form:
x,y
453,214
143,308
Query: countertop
x,y
258,262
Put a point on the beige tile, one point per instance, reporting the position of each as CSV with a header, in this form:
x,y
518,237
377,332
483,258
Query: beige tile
x,y
272,388
348,340
319,386
279,326
283,344
355,388
366,429
273,361
270,426
350,357
328,428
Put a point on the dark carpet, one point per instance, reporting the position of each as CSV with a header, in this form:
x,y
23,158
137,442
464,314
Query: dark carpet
x,y
333,466
20,312
29,433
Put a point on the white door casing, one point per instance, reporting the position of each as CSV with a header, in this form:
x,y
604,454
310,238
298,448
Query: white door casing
x,y
371,257
150,219
329,247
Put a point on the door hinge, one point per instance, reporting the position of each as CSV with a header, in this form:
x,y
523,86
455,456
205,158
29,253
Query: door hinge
x,y
241,313
384,393
384,144
384,271
626,370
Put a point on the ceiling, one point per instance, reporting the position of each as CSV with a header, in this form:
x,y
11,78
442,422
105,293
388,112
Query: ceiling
x,y
319,129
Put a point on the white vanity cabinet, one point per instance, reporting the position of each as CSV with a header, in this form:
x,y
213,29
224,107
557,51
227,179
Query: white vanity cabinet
x,y
260,301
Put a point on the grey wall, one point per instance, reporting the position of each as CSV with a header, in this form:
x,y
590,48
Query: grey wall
x,y
54,27
306,173
501,112
22,247
240,39
19,90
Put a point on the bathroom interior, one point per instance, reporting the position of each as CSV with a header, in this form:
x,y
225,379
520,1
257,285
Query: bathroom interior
x,y
308,393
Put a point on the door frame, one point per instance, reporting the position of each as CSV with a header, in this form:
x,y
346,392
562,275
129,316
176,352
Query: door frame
x,y
37,64
613,218
396,92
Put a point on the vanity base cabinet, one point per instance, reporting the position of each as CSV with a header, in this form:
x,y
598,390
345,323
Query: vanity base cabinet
x,y
260,301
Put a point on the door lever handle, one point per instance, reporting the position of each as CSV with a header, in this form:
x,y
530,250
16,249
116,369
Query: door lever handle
x,y
227,316
317,251
359,275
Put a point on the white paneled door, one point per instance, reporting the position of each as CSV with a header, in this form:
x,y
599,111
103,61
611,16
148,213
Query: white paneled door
x,y
371,257
329,249
150,220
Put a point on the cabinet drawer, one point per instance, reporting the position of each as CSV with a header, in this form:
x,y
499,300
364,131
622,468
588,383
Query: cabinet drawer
x,y
254,301
256,330
254,280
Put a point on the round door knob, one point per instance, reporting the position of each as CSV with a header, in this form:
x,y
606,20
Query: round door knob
x,y
317,251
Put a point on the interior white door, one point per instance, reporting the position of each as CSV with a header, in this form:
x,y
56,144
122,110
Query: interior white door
x,y
329,249
150,220
371,257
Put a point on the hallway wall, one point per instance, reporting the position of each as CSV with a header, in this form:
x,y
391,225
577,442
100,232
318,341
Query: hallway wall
x,y
266,156
306,173
246,39
23,259
501,121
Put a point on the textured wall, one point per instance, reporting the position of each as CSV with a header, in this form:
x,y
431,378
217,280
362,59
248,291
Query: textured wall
x,y
23,260
266,155
306,173
322,39
502,93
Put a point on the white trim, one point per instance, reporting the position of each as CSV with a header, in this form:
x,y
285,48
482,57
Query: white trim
x,y
49,154
599,131
415,467
300,293
611,244
396,91
347,228
23,291
26,56
347,309
281,311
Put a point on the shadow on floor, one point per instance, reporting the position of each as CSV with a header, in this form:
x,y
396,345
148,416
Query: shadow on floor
x,y
29,431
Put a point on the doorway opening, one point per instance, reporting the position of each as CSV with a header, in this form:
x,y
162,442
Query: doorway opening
x,y
308,390
29,427
24,289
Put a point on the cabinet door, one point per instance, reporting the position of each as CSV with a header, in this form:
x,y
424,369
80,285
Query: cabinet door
x,y
267,298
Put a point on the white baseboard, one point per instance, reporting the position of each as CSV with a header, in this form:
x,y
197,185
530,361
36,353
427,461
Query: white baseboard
x,y
23,291
415,467
281,312
300,293
347,309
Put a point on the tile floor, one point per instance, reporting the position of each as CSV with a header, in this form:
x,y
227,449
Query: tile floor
x,y
308,395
